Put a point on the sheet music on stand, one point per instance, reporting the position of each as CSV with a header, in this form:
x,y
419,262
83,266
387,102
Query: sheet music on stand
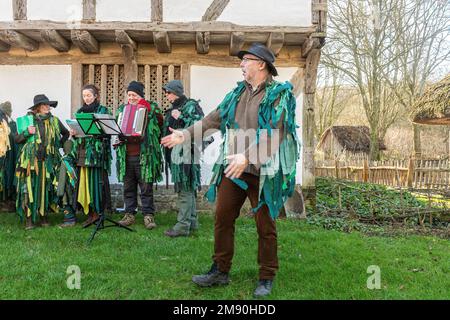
x,y
74,125
108,124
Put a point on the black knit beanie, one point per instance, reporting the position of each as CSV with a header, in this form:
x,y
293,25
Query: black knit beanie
x,y
137,87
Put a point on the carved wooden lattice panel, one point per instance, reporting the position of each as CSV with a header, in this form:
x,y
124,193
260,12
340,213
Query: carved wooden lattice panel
x,y
152,76
112,93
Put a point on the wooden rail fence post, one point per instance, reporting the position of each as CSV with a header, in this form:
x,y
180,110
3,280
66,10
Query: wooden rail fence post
x,y
410,173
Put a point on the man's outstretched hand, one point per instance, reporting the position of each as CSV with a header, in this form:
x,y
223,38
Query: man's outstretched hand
x,y
236,166
170,141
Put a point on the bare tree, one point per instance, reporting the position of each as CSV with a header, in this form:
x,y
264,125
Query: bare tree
x,y
331,98
383,46
424,45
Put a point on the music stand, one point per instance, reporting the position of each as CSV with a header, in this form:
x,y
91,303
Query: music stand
x,y
104,126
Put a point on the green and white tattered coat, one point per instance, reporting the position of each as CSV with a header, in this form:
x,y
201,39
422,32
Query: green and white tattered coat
x,y
277,175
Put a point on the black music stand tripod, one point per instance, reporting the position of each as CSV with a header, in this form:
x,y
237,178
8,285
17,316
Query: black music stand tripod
x,y
103,126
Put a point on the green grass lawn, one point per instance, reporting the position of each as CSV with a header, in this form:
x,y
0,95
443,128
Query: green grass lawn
x,y
314,263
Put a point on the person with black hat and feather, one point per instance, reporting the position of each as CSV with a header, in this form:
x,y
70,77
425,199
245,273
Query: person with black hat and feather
x,y
38,164
139,160
260,115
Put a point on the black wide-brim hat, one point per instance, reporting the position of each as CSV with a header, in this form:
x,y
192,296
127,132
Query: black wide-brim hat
x,y
42,99
262,52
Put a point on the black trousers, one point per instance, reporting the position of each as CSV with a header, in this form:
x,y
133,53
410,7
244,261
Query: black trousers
x,y
130,188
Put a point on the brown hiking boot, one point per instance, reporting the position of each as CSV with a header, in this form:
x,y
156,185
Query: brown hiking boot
x,y
92,217
149,221
127,220
29,224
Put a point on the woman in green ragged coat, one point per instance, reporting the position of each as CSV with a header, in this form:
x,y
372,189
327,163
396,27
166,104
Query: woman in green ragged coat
x,y
38,163
92,157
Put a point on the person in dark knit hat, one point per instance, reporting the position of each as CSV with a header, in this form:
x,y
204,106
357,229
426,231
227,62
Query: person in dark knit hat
x,y
139,160
185,176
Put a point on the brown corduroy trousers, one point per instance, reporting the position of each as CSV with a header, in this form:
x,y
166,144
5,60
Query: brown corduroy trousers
x,y
230,199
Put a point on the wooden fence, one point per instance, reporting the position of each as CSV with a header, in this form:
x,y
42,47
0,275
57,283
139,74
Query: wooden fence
x,y
417,174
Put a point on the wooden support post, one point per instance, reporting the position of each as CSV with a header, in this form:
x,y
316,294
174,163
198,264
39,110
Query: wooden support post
x,y
312,63
89,10
76,86
19,9
157,11
186,79
16,39
130,65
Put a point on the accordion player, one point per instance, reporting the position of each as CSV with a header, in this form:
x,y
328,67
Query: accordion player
x,y
132,121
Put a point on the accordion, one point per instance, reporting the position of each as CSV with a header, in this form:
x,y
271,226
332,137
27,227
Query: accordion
x,y
132,120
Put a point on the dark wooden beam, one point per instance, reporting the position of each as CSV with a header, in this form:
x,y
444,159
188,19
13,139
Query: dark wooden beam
x,y
202,40
308,45
214,10
157,11
237,41
123,38
89,10
19,9
275,42
54,39
162,41
85,41
17,39
4,47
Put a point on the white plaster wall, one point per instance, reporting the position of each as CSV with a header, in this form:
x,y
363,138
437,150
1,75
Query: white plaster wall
x,y
6,12
268,12
119,10
243,12
210,85
19,84
61,10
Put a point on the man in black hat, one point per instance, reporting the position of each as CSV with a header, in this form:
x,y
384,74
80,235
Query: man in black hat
x,y
139,160
185,169
257,161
